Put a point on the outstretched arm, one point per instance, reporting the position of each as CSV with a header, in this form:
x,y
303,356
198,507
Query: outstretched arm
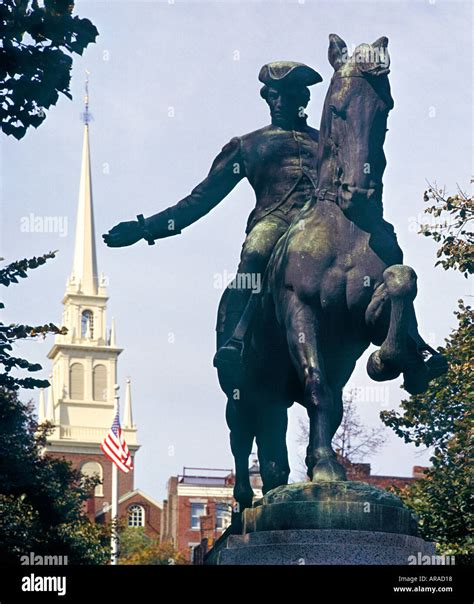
x,y
226,171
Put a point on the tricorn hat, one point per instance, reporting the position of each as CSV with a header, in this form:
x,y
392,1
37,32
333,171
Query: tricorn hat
x,y
288,73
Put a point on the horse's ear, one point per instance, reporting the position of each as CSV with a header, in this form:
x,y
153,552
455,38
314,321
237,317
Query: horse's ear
x,y
337,52
380,43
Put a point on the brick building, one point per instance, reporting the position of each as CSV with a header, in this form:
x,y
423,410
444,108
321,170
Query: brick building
x,y
362,473
81,396
199,505
136,509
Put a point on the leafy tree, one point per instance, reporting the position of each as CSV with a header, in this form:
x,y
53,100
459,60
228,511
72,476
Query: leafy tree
x,y
136,547
442,416
41,499
454,230
9,334
37,41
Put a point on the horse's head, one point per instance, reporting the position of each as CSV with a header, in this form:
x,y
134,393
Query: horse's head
x,y
354,122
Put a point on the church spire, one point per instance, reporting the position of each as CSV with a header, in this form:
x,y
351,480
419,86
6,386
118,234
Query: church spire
x,y
84,273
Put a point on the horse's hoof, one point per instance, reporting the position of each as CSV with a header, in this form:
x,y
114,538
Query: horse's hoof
x,y
243,494
378,370
329,470
437,366
417,379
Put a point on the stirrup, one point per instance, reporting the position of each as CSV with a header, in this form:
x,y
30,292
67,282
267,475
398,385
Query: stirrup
x,y
230,353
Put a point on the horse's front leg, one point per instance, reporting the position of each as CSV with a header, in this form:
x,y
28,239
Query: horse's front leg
x,y
399,351
302,324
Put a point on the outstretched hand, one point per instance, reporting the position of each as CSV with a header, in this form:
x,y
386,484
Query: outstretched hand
x,y
123,234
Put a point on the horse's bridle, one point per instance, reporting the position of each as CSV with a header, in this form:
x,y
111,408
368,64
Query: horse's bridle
x,y
324,193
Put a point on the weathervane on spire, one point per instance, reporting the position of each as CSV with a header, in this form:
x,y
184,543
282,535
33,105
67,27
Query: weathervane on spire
x,y
87,115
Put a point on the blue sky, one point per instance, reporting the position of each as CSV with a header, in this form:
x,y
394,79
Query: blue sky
x,y
170,84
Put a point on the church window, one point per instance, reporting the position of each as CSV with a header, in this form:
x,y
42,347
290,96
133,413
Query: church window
x,y
87,324
99,383
136,515
76,379
93,468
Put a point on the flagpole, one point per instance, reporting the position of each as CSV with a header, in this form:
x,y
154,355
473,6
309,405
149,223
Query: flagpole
x,y
114,539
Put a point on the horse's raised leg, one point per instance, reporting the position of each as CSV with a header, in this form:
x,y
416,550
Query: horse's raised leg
x,y
272,424
302,329
396,353
402,348
241,441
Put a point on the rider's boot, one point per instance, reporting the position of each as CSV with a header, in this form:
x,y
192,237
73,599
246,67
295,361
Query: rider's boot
x,y
230,354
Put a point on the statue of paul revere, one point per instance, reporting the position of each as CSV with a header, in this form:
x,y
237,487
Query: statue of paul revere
x,y
279,161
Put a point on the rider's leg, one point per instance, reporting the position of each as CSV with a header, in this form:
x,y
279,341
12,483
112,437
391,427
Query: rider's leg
x,y
246,287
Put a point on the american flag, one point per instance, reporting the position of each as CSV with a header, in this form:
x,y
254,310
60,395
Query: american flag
x,y
115,447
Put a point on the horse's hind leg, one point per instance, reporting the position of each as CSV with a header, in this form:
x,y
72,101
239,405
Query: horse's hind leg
x,y
241,441
302,329
272,424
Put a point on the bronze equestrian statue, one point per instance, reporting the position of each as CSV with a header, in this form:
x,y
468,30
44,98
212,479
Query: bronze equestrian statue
x,y
334,284
279,161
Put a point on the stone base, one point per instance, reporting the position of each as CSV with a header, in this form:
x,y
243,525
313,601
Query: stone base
x,y
318,546
342,522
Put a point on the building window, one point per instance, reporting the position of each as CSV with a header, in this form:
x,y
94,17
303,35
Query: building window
x,y
223,515
76,381
99,383
136,515
93,468
87,324
197,510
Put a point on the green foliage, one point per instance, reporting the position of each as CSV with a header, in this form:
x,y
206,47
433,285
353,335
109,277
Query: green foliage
x,y
136,547
442,417
9,334
436,416
37,41
443,500
41,499
453,231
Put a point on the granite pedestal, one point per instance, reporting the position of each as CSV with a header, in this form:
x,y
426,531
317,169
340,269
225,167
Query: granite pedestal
x,y
322,523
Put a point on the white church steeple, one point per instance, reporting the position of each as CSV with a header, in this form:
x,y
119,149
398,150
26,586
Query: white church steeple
x,y
81,395
84,271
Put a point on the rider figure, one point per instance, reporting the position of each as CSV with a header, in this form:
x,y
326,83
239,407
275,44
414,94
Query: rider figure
x,y
279,161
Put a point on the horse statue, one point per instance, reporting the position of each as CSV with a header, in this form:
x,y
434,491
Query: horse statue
x,y
335,284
